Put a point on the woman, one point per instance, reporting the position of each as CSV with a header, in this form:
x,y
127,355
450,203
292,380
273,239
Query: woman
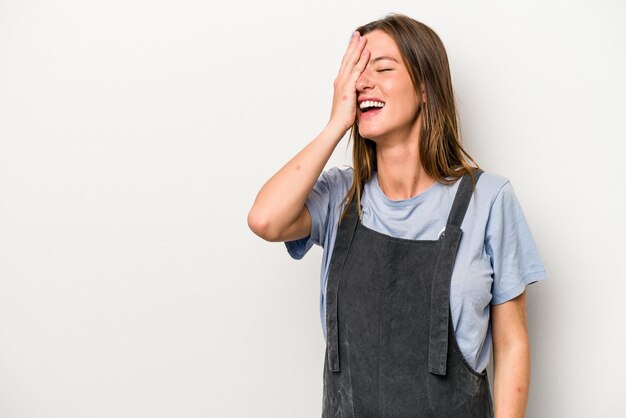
x,y
426,259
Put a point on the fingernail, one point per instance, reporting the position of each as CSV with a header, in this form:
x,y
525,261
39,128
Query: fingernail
x,y
355,33
361,39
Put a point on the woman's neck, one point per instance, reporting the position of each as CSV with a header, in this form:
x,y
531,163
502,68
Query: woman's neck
x,y
400,171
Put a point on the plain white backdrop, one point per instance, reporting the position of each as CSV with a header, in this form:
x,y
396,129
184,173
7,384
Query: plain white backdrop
x,y
135,134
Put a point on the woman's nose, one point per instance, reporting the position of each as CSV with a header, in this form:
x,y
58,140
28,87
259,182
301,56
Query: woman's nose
x,y
363,82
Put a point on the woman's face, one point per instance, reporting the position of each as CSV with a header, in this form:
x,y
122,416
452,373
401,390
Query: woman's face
x,y
387,104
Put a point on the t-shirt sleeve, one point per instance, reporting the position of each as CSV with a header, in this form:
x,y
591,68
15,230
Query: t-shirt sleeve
x,y
318,204
511,248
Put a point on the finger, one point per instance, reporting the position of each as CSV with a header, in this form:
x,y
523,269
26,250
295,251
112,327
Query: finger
x,y
353,53
361,64
354,39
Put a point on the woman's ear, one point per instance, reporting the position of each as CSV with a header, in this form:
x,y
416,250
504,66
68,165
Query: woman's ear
x,y
423,92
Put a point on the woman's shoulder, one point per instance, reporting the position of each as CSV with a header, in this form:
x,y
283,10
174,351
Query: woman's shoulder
x,y
488,187
337,179
331,188
495,197
491,185
489,180
339,174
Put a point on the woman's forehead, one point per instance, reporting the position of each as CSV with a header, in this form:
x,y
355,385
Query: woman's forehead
x,y
381,45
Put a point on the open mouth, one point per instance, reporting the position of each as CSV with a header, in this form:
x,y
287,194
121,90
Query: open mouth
x,y
369,105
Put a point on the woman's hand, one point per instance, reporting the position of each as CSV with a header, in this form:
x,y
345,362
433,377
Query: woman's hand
x,y
279,212
354,61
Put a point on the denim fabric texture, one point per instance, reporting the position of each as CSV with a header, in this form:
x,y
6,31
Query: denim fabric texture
x,y
391,349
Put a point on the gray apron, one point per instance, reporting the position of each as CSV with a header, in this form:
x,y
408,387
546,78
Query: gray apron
x,y
391,349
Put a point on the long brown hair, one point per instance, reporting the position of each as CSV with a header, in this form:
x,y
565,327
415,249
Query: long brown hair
x,y
440,151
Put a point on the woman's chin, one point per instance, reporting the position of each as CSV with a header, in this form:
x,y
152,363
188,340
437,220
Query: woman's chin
x,y
370,134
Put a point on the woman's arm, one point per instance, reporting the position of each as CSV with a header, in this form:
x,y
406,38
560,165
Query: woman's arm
x,y
511,355
279,213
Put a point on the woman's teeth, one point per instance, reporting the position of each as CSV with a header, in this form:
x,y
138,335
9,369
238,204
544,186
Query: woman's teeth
x,y
368,104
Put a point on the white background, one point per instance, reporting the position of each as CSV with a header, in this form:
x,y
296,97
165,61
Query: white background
x,y
135,134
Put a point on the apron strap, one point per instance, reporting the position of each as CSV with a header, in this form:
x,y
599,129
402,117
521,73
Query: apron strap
x,y
440,296
345,234
462,198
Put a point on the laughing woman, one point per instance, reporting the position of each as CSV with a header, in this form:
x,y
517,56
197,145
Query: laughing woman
x,y
426,258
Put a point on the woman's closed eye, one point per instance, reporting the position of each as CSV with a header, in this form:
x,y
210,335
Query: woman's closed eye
x,y
380,70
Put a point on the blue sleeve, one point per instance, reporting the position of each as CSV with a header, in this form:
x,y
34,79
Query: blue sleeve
x,y
511,248
318,205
